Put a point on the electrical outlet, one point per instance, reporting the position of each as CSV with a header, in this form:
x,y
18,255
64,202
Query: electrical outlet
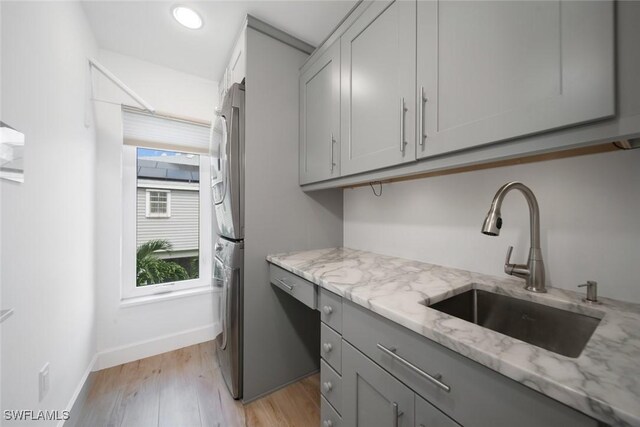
x,y
44,381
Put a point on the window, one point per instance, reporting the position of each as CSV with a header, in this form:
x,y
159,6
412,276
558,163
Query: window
x,y
168,246
167,218
158,204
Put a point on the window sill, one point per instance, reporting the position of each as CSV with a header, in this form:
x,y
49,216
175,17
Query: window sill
x,y
167,296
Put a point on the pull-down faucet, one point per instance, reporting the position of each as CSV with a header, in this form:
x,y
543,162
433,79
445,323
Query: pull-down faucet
x,y
533,271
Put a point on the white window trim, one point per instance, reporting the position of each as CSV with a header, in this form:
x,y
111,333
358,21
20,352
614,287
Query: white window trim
x,y
129,290
150,214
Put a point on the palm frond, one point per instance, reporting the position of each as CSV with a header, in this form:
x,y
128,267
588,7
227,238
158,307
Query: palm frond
x,y
148,248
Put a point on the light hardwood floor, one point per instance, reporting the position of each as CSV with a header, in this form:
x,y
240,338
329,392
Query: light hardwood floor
x,y
184,388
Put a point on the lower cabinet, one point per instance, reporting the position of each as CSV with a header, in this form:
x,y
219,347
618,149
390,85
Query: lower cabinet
x,y
331,359
428,415
377,373
371,396
329,417
331,386
471,394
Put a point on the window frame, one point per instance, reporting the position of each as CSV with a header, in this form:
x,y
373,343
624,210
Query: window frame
x,y
166,213
129,290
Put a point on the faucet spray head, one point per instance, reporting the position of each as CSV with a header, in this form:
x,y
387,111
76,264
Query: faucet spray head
x,y
492,223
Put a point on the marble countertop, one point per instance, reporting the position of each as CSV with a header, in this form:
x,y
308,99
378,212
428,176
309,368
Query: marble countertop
x,y
603,382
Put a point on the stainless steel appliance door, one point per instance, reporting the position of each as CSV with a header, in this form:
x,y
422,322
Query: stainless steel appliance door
x,y
228,277
227,167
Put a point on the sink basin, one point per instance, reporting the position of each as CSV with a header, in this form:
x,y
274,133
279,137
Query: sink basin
x,y
560,331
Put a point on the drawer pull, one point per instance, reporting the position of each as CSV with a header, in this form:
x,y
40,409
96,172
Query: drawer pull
x,y
327,347
327,423
327,309
327,386
435,379
283,283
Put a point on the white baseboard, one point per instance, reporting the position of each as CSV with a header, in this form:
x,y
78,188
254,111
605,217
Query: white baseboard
x,y
79,395
128,353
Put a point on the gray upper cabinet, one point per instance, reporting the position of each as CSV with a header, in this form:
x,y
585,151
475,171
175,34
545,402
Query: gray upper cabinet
x,y
320,118
371,396
378,87
496,70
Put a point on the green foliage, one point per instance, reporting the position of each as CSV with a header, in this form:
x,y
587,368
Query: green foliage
x,y
194,268
152,270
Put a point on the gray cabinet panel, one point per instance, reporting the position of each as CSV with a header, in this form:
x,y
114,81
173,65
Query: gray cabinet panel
x,y
328,416
331,347
331,385
378,72
495,70
296,286
429,416
478,396
372,397
330,306
320,118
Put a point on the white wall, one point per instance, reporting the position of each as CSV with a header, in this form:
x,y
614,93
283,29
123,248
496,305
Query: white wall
x,y
129,333
167,90
589,220
47,272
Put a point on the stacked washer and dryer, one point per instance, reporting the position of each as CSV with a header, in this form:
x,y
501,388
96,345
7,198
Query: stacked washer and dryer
x,y
227,186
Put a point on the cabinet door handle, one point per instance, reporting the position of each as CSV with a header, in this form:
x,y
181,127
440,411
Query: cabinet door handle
x,y
333,141
327,423
327,386
435,379
395,415
282,282
327,347
403,110
421,101
327,309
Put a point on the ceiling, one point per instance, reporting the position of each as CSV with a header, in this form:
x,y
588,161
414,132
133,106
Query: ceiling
x,y
147,30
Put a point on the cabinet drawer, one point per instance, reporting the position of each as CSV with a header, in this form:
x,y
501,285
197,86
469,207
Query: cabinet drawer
x,y
328,416
477,396
428,415
331,347
302,290
331,385
330,306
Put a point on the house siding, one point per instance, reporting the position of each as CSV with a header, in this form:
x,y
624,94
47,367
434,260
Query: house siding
x,y
181,229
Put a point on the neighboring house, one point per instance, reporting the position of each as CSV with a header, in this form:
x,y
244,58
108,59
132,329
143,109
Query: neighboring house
x,y
168,202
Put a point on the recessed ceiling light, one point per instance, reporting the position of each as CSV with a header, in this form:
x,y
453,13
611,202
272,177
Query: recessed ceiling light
x,y
187,17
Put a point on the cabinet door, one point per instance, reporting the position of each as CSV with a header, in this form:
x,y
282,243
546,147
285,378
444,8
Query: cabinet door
x,y
378,88
428,415
371,396
495,70
320,118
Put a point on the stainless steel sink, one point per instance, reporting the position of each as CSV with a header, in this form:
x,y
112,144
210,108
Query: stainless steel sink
x,y
560,331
